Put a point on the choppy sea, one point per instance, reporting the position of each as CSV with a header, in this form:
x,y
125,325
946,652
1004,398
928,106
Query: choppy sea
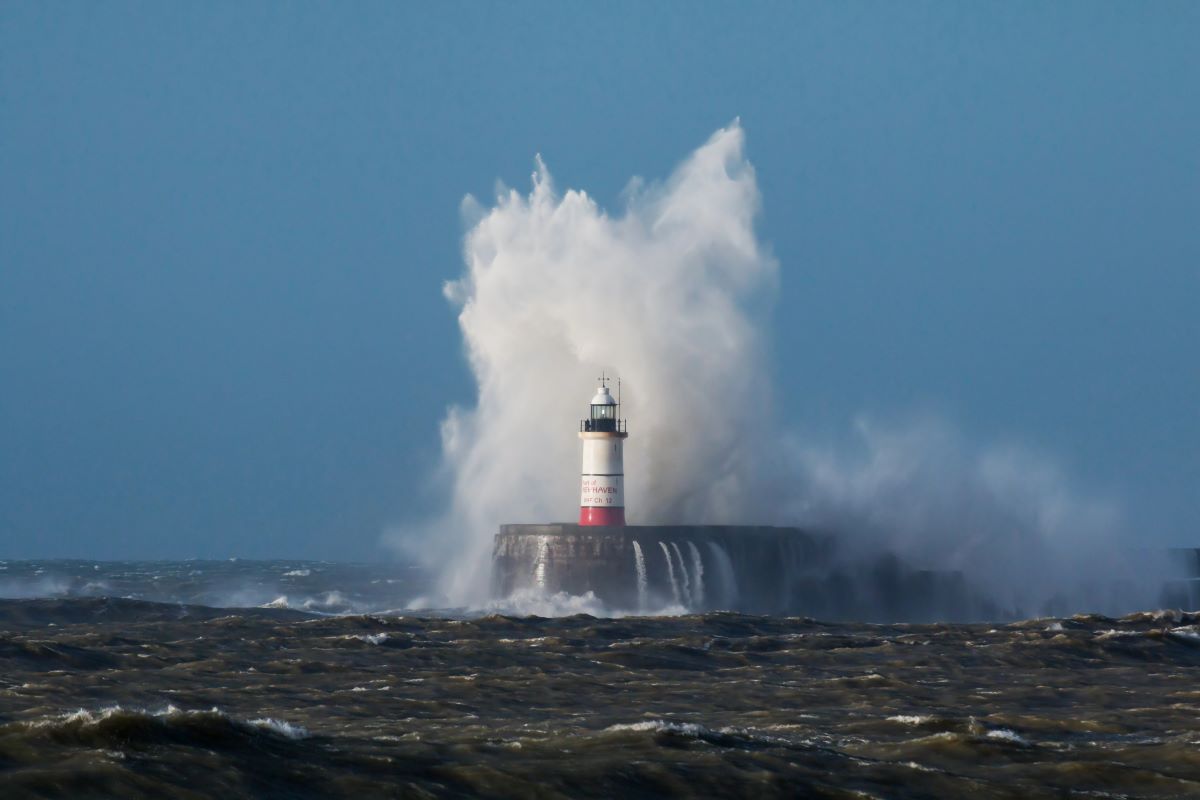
x,y
310,679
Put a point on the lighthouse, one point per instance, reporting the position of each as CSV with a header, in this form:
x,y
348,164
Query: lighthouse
x,y
602,491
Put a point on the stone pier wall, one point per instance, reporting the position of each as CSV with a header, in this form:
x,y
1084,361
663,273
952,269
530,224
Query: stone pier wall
x,y
761,570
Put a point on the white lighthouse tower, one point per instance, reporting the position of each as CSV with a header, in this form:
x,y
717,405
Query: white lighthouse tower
x,y
602,495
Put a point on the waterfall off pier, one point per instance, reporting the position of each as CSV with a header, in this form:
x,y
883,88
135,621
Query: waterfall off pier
x,y
752,569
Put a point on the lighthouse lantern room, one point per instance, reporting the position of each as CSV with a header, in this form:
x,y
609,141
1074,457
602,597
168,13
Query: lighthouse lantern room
x,y
602,494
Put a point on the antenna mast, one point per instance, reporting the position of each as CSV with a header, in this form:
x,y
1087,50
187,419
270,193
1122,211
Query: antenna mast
x,y
618,402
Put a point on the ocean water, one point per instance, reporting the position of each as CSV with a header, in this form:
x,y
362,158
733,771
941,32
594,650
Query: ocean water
x,y
301,679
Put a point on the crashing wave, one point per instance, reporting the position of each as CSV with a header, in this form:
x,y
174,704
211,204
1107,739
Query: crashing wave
x,y
660,726
281,727
1006,735
127,723
722,737
537,603
370,638
910,719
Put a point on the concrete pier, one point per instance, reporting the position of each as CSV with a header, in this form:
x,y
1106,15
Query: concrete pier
x,y
752,569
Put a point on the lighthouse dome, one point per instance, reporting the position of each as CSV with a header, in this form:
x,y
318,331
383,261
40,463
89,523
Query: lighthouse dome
x,y
603,398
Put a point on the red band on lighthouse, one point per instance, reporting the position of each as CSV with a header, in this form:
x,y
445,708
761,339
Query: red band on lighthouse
x,y
602,479
597,515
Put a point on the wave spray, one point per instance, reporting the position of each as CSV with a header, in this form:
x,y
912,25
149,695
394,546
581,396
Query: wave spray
x,y
674,293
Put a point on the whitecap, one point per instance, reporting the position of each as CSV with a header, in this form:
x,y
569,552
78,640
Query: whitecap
x,y
1112,633
910,719
86,718
1188,632
371,638
327,602
1004,734
532,602
659,725
281,727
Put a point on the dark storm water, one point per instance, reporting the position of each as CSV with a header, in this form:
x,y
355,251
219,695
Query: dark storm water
x,y
121,697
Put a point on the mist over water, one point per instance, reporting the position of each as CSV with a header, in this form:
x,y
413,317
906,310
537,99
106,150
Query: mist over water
x,y
1006,516
674,294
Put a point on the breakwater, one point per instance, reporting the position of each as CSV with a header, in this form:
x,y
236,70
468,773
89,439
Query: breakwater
x,y
751,569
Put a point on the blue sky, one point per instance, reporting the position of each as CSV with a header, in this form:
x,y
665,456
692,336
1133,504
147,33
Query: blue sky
x,y
224,230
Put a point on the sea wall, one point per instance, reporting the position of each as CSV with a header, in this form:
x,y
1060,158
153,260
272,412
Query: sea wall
x,y
752,569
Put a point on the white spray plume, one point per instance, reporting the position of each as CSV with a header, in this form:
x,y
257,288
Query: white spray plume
x,y
1005,516
673,295
664,295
